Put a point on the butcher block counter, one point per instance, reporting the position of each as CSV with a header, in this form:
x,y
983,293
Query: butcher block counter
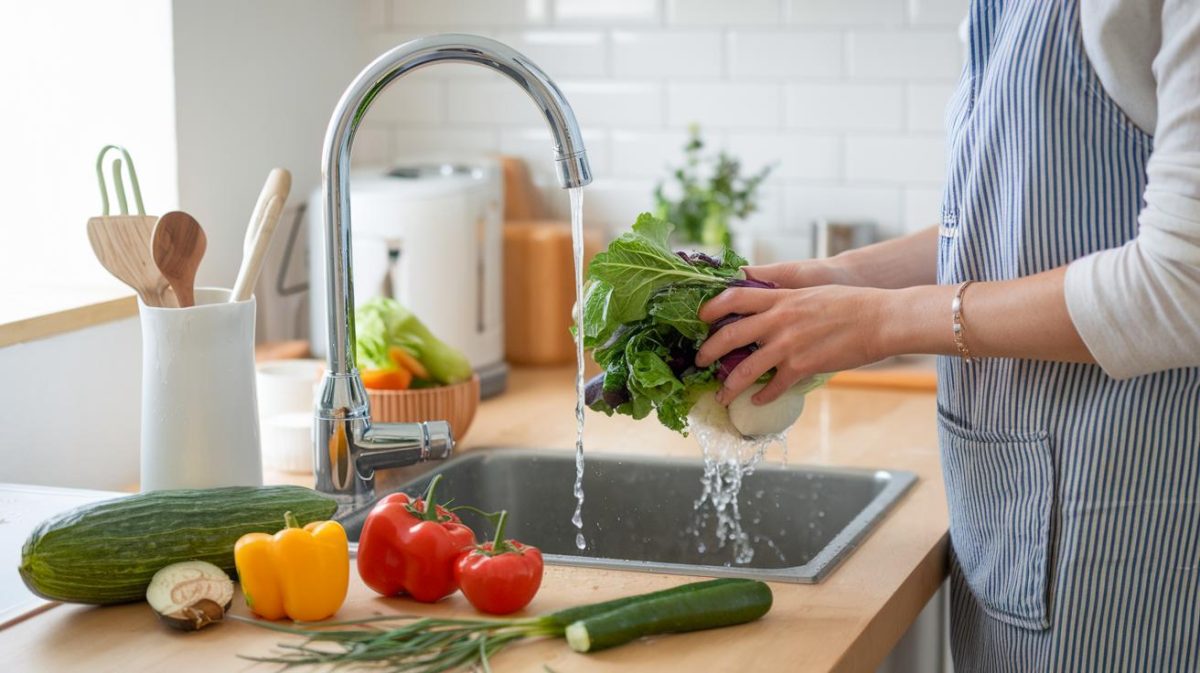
x,y
849,622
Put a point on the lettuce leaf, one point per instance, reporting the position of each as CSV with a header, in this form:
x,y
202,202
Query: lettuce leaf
x,y
641,323
382,322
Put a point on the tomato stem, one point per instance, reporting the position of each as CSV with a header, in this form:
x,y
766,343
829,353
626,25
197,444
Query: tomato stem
x,y
431,512
498,542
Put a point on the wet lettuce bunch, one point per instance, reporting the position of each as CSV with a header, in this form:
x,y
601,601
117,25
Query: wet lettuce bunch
x,y
641,324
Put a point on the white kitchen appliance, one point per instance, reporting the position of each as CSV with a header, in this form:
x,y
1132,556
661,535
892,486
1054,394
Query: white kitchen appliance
x,y
429,234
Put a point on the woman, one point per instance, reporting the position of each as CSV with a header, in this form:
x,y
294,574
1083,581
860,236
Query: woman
x,y
1062,289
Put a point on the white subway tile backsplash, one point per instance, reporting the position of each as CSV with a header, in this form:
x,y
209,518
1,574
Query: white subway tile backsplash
x,y
942,12
410,141
723,12
724,104
408,13
846,97
850,107
371,15
374,144
562,53
667,53
795,156
927,106
845,12
536,147
410,102
495,101
616,203
607,11
804,205
774,54
922,208
767,215
907,55
615,103
898,159
647,154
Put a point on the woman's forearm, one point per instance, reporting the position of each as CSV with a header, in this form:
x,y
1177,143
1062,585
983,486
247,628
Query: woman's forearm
x,y
1023,318
900,262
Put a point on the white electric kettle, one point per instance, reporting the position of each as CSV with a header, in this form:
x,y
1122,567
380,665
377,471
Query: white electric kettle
x,y
427,233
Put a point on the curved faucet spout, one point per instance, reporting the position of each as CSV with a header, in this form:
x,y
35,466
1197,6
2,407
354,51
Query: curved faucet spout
x,y
343,426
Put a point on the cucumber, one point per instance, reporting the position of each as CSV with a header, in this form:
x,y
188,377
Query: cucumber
x,y
107,552
564,618
704,607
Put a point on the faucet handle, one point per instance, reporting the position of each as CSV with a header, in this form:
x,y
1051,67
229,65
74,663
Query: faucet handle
x,y
387,445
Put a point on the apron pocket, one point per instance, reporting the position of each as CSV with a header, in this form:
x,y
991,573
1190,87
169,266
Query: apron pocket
x,y
1000,488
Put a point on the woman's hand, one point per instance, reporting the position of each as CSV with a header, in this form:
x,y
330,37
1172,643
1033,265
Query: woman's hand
x,y
804,273
800,333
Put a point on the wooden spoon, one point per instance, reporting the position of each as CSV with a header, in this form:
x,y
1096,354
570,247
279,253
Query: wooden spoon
x,y
179,244
122,244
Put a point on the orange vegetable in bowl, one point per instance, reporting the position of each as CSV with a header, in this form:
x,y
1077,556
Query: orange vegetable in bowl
x,y
387,379
405,360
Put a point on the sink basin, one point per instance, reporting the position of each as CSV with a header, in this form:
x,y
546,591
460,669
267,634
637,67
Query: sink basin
x,y
640,513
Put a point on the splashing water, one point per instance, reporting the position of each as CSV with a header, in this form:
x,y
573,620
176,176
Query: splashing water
x,y
728,459
577,243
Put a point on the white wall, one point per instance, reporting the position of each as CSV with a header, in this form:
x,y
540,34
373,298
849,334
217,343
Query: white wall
x,y
72,408
847,95
255,85
69,86
239,87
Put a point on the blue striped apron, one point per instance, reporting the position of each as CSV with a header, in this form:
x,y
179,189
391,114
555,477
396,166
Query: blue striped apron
x,y
1074,498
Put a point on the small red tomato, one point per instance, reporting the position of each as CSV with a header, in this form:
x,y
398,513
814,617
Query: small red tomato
x,y
502,576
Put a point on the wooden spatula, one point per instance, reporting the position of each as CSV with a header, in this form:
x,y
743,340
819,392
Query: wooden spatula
x,y
178,246
122,242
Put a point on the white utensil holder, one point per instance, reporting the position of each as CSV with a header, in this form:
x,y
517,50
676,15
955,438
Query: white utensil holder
x,y
199,408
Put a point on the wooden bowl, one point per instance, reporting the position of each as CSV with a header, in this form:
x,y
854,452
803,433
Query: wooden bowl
x,y
455,404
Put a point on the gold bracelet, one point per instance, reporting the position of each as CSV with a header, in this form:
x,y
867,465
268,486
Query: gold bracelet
x,y
960,334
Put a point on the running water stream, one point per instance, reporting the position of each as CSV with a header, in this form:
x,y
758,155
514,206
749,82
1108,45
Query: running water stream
x,y
577,243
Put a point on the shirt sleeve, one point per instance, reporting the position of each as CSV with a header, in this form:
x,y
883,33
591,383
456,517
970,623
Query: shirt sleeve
x,y
1137,307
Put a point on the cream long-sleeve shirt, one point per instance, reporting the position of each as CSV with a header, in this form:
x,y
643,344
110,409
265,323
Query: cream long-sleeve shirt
x,y
1137,307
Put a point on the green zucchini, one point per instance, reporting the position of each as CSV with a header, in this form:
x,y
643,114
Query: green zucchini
x,y
705,606
107,552
564,618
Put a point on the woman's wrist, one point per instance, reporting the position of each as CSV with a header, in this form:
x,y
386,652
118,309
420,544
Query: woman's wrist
x,y
915,320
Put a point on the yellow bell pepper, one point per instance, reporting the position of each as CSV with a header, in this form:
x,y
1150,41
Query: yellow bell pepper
x,y
301,573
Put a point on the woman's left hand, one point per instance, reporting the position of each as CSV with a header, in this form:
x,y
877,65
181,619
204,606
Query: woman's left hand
x,y
800,333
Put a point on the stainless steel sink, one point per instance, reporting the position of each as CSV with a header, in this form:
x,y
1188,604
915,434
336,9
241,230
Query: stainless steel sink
x,y
640,513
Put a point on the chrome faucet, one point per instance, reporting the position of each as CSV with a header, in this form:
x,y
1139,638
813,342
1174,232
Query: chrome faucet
x,y
348,447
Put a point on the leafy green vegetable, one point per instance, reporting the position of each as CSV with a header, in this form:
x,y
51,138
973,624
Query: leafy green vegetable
x,y
638,265
383,322
640,322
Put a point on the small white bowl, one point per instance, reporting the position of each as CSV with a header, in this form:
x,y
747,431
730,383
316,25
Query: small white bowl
x,y
286,393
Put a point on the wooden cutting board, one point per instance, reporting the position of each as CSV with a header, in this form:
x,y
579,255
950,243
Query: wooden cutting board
x,y
22,508
539,291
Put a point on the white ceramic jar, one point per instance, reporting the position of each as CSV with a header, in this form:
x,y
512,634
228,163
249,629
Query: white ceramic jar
x,y
199,407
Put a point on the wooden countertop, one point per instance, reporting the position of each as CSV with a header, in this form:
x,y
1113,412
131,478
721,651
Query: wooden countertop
x,y
847,623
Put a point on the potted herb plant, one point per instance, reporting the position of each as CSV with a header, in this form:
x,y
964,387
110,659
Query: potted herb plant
x,y
706,194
